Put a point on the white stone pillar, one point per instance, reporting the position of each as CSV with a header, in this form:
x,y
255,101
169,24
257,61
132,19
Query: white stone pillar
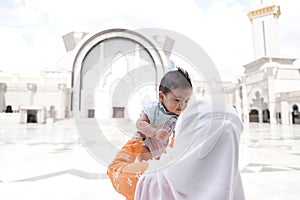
x,y
32,89
260,115
3,87
68,102
41,115
284,107
23,116
272,100
290,114
245,104
272,113
61,110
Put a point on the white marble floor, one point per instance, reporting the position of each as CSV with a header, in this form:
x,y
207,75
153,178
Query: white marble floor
x,y
270,162
49,162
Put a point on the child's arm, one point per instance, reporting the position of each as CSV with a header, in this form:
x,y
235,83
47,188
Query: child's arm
x,y
144,126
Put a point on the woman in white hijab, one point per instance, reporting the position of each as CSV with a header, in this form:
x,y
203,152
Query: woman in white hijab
x,y
203,164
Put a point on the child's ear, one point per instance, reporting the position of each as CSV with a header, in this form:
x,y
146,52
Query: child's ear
x,y
161,96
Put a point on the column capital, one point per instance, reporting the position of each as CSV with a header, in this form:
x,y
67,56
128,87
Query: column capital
x,y
31,87
61,86
265,10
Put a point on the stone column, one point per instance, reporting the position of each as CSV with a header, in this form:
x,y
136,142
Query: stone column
x,y
62,95
272,112
23,116
284,107
3,87
32,90
245,104
41,115
272,100
260,114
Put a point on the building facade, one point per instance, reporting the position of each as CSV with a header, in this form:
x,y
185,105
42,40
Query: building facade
x,y
113,73
36,97
268,91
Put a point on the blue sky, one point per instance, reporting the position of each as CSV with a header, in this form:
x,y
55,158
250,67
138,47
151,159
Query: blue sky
x,y
31,30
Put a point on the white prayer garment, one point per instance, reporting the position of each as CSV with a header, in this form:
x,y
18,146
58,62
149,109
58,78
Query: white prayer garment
x,y
203,164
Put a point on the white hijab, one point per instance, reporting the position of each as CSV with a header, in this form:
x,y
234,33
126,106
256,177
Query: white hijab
x,y
203,165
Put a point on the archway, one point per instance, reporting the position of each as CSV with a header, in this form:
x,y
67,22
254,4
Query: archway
x,y
253,116
95,70
295,114
260,112
266,116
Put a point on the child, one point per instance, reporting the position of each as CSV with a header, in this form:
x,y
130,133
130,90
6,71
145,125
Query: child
x,y
157,121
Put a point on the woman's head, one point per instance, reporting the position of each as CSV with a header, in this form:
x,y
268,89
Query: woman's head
x,y
175,90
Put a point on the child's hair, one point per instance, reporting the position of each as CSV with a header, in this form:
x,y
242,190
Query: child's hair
x,y
175,79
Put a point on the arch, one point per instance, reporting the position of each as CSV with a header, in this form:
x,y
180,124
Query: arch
x,y
295,114
266,116
253,116
258,102
295,107
97,52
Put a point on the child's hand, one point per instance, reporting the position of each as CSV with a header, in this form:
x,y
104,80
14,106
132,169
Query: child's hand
x,y
161,134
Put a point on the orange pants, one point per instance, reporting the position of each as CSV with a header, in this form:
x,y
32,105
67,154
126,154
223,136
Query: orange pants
x,y
124,172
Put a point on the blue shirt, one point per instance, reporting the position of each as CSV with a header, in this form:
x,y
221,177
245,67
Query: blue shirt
x,y
159,117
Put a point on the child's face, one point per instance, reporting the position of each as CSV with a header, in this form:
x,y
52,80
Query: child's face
x,y
176,100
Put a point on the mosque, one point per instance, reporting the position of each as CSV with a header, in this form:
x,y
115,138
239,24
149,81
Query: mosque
x,y
113,73
268,91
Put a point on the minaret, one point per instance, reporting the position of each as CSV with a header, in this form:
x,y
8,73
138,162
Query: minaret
x,y
261,81
264,19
